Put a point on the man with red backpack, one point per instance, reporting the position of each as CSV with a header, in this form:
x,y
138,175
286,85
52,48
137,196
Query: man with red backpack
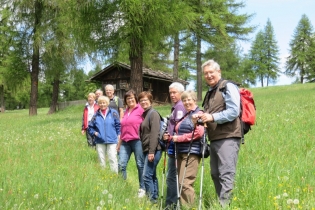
x,y
221,115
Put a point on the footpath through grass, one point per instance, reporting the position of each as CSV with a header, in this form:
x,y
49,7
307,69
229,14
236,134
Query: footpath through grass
x,y
46,164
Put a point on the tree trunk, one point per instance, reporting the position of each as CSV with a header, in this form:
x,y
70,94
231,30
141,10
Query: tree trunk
x,y
136,62
35,61
199,70
176,57
2,109
55,93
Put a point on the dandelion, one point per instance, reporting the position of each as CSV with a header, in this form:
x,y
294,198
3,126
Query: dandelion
x,y
127,200
98,208
110,196
1,189
102,203
277,197
105,192
289,201
36,196
285,195
296,201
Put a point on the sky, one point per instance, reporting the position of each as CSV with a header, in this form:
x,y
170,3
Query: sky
x,y
284,16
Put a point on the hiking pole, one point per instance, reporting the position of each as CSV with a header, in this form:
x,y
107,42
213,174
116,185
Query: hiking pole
x,y
163,178
202,165
189,150
176,166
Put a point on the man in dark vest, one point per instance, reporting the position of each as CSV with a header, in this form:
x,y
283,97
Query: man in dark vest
x,y
221,116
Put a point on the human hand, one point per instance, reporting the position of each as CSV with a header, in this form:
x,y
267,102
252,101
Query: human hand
x,y
166,136
151,157
83,132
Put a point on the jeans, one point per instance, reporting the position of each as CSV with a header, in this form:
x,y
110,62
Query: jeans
x,y
110,151
126,149
171,182
149,176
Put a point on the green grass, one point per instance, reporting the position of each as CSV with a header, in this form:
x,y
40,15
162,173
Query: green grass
x,y
46,164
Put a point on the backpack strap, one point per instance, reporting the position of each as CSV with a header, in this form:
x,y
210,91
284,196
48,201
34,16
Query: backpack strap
x,y
116,100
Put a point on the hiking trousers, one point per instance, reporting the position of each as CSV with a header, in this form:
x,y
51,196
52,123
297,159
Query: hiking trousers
x,y
223,160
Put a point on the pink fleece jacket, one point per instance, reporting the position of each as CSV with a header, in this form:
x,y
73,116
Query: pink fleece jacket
x,y
130,124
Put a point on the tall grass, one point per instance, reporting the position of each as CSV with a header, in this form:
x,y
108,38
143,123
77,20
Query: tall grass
x,y
46,164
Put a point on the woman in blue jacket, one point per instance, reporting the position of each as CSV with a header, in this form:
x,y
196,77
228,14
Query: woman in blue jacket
x,y
105,127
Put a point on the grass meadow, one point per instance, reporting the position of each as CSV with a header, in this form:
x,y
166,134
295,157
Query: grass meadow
x,y
46,164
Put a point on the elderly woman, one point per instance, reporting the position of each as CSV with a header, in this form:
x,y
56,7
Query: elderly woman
x,y
88,112
129,139
105,128
149,133
187,139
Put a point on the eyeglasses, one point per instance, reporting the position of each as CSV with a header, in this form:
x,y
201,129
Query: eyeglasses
x,y
131,98
143,100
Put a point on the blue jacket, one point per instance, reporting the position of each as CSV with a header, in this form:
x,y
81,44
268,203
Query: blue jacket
x,y
108,129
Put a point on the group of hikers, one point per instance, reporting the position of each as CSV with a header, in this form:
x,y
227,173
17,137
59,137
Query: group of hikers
x,y
113,128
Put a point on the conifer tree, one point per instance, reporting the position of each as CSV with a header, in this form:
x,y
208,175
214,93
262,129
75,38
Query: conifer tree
x,y
302,51
264,55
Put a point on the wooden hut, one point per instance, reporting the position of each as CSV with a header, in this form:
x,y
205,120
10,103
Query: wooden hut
x,y
118,75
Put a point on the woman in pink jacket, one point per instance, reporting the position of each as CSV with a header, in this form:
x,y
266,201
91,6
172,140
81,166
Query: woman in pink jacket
x,y
130,140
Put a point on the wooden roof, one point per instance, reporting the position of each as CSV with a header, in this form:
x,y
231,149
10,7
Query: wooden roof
x,y
147,73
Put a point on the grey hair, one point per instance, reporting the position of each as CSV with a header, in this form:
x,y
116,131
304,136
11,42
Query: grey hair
x,y
178,86
99,90
212,64
109,86
189,93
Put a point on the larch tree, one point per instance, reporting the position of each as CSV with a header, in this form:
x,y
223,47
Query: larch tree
x,y
272,54
264,54
217,22
112,26
302,50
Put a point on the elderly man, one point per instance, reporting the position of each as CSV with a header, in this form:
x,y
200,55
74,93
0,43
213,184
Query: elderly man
x,y
221,114
115,101
98,93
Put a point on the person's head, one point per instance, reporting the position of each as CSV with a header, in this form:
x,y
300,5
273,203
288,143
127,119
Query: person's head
x,y
109,91
175,90
91,98
131,99
189,99
212,72
103,102
146,99
98,93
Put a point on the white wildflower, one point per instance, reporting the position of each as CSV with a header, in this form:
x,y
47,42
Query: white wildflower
x,y
278,196
102,203
105,192
285,195
98,208
296,201
289,201
36,196
110,196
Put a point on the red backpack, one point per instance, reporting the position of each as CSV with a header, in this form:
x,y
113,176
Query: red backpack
x,y
248,108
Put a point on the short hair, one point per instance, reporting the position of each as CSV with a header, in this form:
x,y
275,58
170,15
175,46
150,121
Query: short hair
x,y
178,86
99,90
212,64
129,94
91,95
103,98
109,86
145,94
189,93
